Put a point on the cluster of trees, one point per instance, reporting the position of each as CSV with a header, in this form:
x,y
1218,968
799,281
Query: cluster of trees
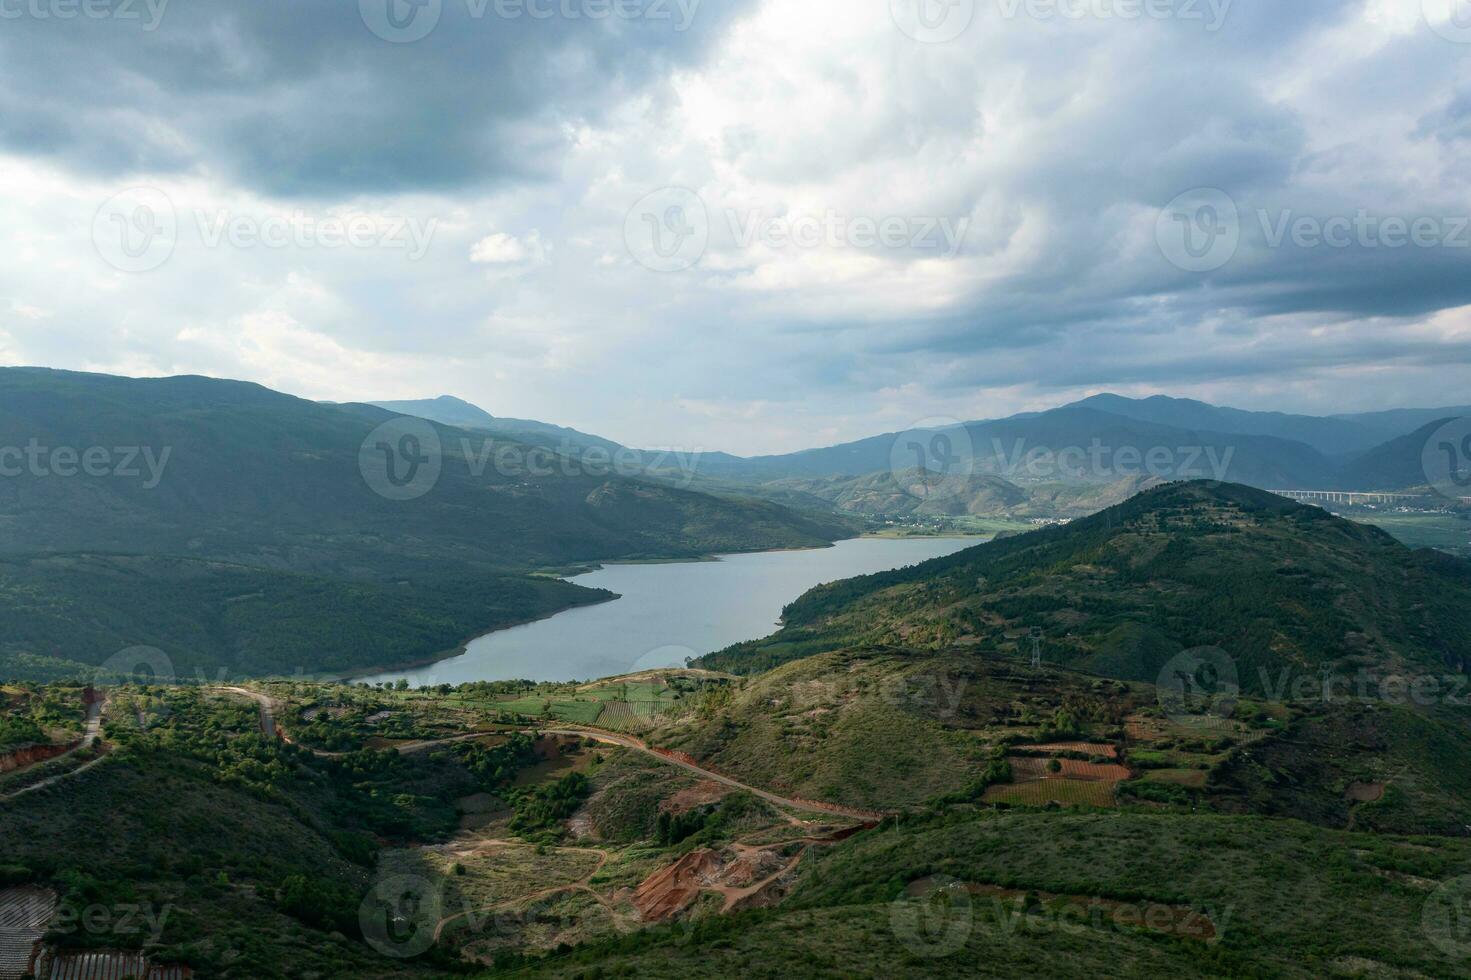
x,y
495,766
540,809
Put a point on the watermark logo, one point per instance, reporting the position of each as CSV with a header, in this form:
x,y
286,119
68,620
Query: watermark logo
x,y
1446,917
127,10
830,229
1099,461
1211,13
668,230
673,655
401,21
937,924
1447,459
301,230
143,463
399,915
402,459
136,665
1200,230
136,230
933,21
933,460
1199,684
121,919
1364,229
1451,19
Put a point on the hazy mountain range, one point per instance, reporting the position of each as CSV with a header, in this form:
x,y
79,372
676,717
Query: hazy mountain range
x,y
999,466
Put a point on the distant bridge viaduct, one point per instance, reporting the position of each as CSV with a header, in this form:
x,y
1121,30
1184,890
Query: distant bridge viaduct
x,y
1351,497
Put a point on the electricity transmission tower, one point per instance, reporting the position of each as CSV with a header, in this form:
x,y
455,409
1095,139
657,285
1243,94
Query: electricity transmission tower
x,y
1036,648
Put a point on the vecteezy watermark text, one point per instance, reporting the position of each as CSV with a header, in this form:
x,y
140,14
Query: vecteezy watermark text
x,y
149,12
937,458
669,230
1207,683
138,230
831,229
936,918
120,919
126,462
404,458
407,21
1210,13
1203,229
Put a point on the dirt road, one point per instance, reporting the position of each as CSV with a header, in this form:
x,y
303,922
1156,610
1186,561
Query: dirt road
x,y
267,708
638,746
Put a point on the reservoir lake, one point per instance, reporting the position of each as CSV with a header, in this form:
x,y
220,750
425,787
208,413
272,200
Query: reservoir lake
x,y
668,612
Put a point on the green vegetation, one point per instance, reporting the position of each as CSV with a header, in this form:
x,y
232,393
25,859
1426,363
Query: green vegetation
x,y
540,809
256,545
210,618
1054,822
1275,584
1449,532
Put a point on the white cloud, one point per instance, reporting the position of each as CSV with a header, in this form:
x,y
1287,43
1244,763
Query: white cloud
x,y
1044,135
503,249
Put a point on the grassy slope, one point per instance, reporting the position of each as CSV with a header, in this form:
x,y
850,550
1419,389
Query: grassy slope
x,y
1291,900
211,616
257,478
254,474
887,728
1273,583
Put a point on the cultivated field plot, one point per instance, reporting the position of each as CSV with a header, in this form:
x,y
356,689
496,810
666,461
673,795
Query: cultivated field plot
x,y
106,965
1105,749
1040,792
1189,778
630,715
1024,768
576,712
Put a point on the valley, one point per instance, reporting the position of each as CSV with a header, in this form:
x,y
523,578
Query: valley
x,y
805,801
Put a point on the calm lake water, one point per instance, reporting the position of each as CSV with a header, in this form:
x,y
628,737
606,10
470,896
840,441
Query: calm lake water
x,y
669,612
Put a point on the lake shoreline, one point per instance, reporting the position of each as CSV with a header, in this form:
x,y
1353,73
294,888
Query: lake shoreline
x,y
669,611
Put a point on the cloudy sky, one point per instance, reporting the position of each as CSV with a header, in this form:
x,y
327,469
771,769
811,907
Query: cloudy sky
x,y
750,225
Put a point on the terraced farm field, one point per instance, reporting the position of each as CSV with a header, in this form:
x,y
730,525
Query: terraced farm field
x,y
1040,792
1025,768
1105,749
625,715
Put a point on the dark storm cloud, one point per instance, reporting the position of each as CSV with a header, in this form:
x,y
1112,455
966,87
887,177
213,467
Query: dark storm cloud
x,y
293,97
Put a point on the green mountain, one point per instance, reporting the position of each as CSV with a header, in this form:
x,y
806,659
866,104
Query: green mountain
x,y
231,482
1278,586
1077,444
1396,465
457,412
925,494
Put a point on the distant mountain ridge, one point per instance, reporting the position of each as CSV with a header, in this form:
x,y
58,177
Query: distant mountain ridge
x,y
449,410
1158,438
218,492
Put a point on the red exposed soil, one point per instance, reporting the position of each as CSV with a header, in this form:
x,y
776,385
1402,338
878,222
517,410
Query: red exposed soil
x,y
664,894
745,877
32,754
703,793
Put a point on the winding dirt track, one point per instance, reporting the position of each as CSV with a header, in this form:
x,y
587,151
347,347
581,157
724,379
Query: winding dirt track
x,y
267,708
580,885
268,726
638,746
92,730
